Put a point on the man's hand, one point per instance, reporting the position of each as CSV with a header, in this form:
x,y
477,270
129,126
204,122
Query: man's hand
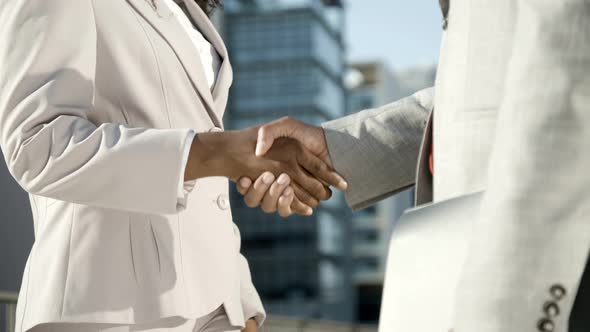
x,y
276,196
231,154
251,326
312,137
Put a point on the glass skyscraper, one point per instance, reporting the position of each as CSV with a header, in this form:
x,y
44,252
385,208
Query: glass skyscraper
x,y
288,59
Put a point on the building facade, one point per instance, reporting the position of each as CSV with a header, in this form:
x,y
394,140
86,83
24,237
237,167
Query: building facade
x,y
289,59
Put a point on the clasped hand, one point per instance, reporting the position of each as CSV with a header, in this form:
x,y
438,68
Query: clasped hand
x,y
277,194
297,178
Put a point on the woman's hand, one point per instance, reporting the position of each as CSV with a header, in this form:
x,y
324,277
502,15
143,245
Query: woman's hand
x,y
273,196
251,326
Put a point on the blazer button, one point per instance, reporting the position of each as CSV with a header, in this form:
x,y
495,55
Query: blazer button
x,y
551,309
223,202
546,325
557,291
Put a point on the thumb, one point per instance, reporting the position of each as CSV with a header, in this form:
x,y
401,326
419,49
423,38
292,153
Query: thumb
x,y
264,141
268,133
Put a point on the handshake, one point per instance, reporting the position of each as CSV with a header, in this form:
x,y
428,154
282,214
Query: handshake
x,y
283,166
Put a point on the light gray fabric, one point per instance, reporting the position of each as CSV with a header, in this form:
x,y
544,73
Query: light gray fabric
x,y
96,101
511,118
377,150
469,89
534,226
425,258
423,192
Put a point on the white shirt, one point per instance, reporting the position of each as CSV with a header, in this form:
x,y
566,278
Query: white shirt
x,y
211,64
209,57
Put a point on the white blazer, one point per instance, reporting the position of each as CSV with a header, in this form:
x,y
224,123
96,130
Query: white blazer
x,y
96,101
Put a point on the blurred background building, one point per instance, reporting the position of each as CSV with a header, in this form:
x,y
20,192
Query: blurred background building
x,y
16,237
289,59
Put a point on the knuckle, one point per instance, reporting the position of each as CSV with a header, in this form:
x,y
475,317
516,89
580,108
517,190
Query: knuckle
x,y
279,166
305,197
316,169
293,172
275,190
321,191
300,149
299,210
308,199
251,203
314,203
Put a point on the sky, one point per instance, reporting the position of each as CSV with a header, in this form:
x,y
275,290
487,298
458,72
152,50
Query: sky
x,y
403,33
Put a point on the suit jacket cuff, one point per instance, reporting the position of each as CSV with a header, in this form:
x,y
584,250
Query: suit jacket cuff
x,y
185,187
376,150
253,309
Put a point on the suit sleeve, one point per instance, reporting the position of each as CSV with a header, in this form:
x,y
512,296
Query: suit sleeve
x,y
47,66
531,242
376,150
251,304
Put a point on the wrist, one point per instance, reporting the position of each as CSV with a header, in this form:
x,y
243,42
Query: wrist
x,y
251,325
216,153
206,157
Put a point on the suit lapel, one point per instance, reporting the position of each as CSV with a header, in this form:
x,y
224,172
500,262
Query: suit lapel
x,y
444,7
162,20
225,76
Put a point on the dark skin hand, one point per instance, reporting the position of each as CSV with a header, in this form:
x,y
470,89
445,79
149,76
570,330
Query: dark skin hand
x,y
231,154
251,326
277,196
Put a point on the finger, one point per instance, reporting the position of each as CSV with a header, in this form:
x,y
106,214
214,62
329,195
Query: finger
x,y
304,197
285,201
243,185
311,185
271,199
319,169
271,131
259,189
299,207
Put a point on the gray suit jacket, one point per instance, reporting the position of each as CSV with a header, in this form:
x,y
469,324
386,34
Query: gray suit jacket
x,y
97,98
511,118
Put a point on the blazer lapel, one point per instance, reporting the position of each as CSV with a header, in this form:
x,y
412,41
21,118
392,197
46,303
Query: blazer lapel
x,y
225,76
161,19
444,7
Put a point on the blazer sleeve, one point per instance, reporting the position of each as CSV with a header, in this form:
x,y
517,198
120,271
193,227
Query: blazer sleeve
x,y
531,242
376,150
251,304
47,66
